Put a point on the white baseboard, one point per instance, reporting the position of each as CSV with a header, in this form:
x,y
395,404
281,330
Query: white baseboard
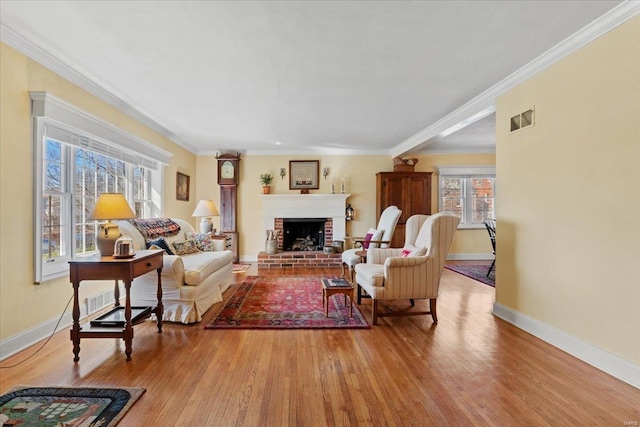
x,y
453,257
470,257
594,356
25,339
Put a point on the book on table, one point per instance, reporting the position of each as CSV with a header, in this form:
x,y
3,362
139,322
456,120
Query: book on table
x,y
337,283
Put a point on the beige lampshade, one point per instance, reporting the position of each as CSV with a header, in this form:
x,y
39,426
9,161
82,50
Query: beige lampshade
x,y
206,208
111,206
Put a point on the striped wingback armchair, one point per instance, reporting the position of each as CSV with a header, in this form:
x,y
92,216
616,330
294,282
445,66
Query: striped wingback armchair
x,y
412,272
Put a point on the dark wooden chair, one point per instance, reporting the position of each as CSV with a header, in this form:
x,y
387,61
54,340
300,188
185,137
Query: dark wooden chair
x,y
491,228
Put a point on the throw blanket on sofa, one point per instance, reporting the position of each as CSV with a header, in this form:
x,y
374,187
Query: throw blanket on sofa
x,y
156,227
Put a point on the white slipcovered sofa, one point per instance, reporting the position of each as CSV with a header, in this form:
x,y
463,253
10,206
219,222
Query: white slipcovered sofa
x,y
191,284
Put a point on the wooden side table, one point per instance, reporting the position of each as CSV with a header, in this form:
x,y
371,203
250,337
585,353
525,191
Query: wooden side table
x,y
110,268
328,290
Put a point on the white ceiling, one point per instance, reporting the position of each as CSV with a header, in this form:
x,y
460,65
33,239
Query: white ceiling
x,y
293,76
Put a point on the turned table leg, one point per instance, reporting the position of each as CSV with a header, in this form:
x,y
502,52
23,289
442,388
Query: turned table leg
x,y
75,329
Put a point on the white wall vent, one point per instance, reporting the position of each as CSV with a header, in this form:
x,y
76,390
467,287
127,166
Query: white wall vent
x,y
523,120
99,301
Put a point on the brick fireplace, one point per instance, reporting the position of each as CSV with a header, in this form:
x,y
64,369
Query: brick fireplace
x,y
290,229
280,208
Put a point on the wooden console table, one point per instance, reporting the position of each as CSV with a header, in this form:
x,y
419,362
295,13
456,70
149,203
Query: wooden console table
x,y
110,268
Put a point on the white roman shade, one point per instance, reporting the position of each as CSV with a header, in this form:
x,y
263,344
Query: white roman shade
x,y
62,122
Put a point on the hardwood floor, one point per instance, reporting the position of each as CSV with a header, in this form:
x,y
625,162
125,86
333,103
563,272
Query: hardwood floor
x,y
470,369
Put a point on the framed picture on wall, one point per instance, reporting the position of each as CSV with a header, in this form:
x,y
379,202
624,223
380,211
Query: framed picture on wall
x,y
304,174
182,187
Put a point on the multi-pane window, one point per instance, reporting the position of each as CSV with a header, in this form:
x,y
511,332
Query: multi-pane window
x,y
471,197
77,157
54,202
66,230
141,196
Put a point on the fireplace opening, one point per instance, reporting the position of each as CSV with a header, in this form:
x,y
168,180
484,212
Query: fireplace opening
x,y
303,234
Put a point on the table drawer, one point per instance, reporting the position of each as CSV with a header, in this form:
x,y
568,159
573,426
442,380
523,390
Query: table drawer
x,y
146,265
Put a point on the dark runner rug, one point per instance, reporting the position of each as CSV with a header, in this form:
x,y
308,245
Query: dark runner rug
x,y
475,271
62,406
290,302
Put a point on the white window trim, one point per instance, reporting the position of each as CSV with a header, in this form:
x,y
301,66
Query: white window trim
x,y
44,104
478,171
466,170
46,108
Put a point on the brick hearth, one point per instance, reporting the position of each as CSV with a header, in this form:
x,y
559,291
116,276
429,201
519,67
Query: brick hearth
x,y
298,259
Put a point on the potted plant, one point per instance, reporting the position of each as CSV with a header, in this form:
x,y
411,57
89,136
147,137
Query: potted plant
x,y
265,180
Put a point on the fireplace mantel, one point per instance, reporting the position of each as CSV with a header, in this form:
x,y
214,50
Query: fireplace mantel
x,y
306,206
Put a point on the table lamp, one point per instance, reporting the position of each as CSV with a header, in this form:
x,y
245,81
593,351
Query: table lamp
x,y
205,209
109,207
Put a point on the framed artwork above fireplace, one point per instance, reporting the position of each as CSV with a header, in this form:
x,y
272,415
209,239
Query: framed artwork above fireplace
x,y
304,174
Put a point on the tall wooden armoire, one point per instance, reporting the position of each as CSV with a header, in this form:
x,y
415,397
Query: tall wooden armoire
x,y
409,191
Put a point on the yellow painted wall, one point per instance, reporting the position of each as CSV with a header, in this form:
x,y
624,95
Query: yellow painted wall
x,y
24,305
568,237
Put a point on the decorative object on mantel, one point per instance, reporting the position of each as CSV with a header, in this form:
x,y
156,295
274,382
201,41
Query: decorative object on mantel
x,y
349,213
271,244
265,180
304,175
205,209
342,186
404,165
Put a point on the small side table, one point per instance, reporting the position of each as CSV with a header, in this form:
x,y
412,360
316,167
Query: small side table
x,y
225,239
328,290
110,268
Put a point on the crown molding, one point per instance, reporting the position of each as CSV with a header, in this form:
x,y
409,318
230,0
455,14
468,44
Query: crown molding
x,y
484,104
457,150
24,46
309,151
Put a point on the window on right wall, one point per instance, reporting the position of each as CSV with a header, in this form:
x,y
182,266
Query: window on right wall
x,y
468,192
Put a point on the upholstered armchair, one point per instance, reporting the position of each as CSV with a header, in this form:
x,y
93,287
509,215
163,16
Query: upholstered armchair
x,y
378,237
412,272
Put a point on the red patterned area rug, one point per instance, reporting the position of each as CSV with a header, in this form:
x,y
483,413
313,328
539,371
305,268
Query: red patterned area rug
x,y
290,302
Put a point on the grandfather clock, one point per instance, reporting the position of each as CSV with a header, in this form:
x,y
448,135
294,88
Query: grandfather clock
x,y
228,172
